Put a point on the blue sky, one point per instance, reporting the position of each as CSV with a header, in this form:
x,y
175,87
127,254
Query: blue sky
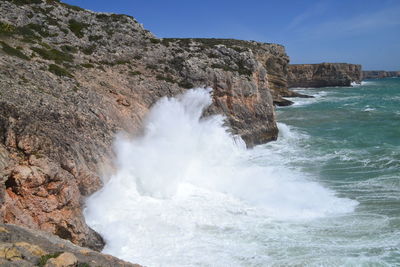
x,y
366,32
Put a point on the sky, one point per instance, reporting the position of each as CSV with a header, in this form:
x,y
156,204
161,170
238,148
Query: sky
x,y
363,32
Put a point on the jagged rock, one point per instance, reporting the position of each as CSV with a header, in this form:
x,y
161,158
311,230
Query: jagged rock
x,y
72,78
20,246
323,75
378,74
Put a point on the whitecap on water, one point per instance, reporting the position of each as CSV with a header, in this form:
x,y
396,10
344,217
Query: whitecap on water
x,y
189,193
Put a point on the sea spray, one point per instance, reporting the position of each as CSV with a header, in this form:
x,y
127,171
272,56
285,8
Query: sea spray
x,y
188,192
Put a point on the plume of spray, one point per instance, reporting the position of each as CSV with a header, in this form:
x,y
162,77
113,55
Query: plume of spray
x,y
187,169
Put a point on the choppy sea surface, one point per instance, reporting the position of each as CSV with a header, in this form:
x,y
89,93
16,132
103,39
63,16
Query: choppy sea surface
x,y
327,193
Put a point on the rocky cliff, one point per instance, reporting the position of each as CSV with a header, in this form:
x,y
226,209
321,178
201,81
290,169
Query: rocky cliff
x,y
378,74
323,75
24,247
72,78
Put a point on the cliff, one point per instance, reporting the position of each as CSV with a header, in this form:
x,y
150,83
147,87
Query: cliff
x,y
271,57
323,75
22,247
378,74
72,79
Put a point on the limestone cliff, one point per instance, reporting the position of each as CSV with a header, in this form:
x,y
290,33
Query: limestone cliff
x,y
72,78
323,75
378,74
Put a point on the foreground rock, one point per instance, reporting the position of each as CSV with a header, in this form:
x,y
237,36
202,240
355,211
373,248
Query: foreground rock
x,y
71,79
20,246
323,75
379,74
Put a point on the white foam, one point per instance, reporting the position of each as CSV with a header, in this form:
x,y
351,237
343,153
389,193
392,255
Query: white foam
x,y
189,193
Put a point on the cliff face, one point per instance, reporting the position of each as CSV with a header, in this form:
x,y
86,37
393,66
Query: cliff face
x,y
323,75
378,74
71,79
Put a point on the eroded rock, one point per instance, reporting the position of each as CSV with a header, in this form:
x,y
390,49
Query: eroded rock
x,y
79,77
323,75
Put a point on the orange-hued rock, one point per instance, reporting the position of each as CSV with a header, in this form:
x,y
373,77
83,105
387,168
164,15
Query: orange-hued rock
x,y
67,91
20,246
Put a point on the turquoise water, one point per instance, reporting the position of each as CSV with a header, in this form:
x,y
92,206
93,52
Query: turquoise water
x,y
351,145
326,193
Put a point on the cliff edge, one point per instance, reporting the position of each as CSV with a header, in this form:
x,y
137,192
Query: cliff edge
x,y
379,74
72,79
323,75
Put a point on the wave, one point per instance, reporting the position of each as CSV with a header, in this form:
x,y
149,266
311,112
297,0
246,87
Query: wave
x,y
187,186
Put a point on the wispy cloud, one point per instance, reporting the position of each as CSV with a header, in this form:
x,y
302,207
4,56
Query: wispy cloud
x,y
358,24
317,9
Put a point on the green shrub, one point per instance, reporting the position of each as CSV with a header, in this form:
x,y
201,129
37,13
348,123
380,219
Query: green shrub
x,y
134,73
59,71
52,21
155,41
53,54
45,45
102,16
43,260
94,38
77,27
121,62
168,78
6,29
35,27
87,65
25,2
89,50
69,49
166,41
12,51
28,32
72,7
186,84
65,31
151,67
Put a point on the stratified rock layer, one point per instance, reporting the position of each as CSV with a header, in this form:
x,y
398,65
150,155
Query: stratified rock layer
x,y
323,75
71,79
379,74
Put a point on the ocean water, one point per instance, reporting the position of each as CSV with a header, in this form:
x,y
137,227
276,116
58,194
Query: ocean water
x,y
327,193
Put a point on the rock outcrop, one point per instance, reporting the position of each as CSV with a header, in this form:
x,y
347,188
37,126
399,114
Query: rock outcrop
x,y
323,75
379,74
72,78
22,247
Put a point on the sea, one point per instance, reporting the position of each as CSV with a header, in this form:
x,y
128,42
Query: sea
x,y
326,193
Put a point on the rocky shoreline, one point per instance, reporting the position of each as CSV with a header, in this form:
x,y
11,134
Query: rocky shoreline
x,y
379,74
73,78
323,75
20,246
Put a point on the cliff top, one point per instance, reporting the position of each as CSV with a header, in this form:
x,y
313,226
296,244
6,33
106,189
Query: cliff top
x,y
324,63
